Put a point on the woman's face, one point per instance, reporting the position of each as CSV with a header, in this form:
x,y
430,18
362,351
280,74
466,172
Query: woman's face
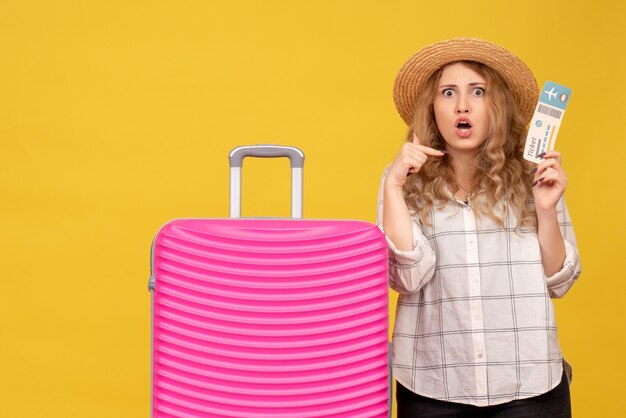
x,y
460,107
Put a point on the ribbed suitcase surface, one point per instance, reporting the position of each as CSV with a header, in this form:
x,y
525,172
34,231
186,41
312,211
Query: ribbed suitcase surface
x,y
270,318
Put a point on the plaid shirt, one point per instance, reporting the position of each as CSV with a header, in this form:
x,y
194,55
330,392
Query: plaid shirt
x,y
474,321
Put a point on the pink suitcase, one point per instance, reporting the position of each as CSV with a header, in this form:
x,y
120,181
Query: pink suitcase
x,y
269,317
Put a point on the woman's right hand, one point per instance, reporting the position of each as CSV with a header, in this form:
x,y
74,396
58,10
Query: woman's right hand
x,y
410,159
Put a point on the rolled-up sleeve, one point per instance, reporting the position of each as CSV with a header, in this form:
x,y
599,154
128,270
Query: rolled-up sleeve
x,y
410,270
561,281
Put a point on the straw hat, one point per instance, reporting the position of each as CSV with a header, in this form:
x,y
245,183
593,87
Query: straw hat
x,y
416,71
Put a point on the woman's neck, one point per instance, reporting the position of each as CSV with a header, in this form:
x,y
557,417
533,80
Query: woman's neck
x,y
464,167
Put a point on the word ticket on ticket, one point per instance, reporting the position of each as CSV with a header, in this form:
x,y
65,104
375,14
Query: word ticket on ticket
x,y
545,123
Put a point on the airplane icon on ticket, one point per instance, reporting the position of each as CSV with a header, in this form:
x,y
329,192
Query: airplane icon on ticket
x,y
551,93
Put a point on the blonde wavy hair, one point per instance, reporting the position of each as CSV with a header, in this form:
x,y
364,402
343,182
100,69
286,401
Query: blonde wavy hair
x,y
502,178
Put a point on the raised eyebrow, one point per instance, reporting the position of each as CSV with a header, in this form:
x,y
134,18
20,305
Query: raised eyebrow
x,y
474,84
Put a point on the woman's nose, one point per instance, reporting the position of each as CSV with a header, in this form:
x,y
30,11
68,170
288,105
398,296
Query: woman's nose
x,y
461,108
461,105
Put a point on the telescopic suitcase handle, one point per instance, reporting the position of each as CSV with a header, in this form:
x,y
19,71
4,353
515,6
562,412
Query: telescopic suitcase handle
x,y
296,158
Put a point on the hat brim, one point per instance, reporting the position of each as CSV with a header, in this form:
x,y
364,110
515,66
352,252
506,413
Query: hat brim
x,y
417,70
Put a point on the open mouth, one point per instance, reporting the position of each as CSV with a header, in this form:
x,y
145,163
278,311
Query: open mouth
x,y
463,128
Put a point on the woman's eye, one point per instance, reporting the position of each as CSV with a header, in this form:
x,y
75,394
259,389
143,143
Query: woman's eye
x,y
448,92
479,91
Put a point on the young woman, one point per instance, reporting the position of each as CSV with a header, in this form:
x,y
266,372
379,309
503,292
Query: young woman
x,y
479,240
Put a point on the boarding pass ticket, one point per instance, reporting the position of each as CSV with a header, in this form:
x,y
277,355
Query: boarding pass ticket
x,y
544,126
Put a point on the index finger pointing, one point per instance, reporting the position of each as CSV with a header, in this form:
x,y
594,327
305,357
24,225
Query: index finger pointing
x,y
425,149
432,151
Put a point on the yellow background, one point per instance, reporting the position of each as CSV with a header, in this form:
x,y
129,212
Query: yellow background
x,y
117,116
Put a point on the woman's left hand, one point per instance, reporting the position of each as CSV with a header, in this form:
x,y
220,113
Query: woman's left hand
x,y
549,182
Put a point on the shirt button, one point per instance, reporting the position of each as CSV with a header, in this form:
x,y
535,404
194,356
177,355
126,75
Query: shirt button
x,y
476,317
474,279
480,355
